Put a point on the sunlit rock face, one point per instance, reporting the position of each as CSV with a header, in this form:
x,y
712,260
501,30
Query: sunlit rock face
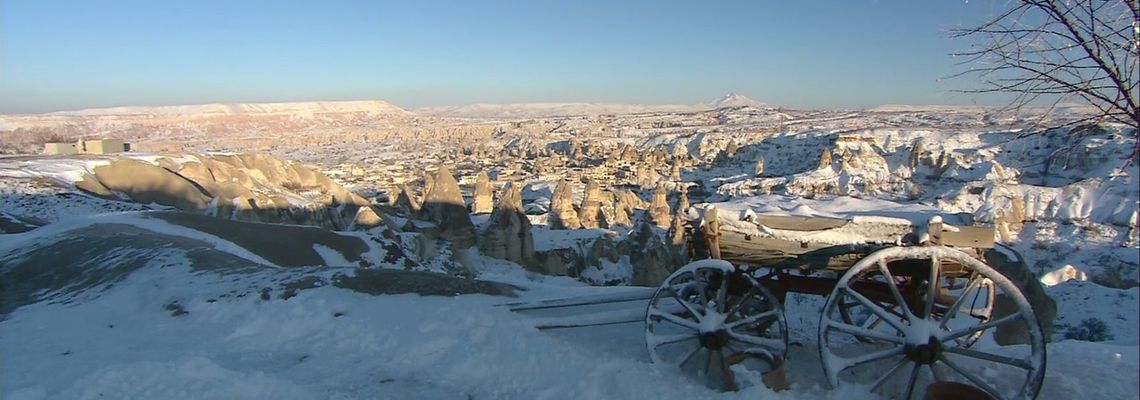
x,y
508,234
562,214
444,207
482,201
659,213
247,187
590,214
651,258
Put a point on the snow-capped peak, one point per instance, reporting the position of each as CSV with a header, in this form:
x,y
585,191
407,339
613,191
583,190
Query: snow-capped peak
x,y
735,100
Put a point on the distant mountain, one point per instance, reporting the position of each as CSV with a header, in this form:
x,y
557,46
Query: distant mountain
x,y
539,110
291,108
735,100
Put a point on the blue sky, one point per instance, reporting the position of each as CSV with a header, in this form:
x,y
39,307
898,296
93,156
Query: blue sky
x,y
57,55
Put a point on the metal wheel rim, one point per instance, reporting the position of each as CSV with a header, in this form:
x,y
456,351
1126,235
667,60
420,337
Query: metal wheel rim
x,y
905,356
683,317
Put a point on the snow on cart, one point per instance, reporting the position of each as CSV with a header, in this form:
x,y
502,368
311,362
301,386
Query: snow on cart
x,y
908,305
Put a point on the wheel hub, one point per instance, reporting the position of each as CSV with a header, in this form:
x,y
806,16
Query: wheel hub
x,y
926,353
714,340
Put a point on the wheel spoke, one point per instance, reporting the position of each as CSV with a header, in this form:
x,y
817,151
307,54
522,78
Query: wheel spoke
x,y
931,287
873,307
883,379
658,341
982,327
895,291
1016,362
725,373
753,319
971,377
708,363
688,306
689,356
859,331
961,299
736,307
934,373
704,291
910,383
721,293
870,357
758,341
674,319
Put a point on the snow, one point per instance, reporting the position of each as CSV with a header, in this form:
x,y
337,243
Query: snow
x,y
57,231
332,343
332,257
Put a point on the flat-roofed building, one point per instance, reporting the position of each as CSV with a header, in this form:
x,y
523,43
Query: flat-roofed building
x,y
104,146
60,148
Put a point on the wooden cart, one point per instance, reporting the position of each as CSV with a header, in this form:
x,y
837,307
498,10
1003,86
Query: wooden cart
x,y
915,305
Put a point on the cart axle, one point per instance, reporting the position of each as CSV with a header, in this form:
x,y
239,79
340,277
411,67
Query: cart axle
x,y
924,353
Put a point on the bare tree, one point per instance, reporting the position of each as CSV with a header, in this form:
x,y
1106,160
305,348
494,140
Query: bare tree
x,y
1058,49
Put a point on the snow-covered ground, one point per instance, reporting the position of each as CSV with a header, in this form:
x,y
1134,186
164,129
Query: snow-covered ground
x,y
169,330
328,343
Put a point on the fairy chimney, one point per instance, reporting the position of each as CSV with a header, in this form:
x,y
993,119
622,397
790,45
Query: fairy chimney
x,y
623,208
825,159
682,201
590,215
482,202
659,213
444,207
406,201
562,214
508,234
429,181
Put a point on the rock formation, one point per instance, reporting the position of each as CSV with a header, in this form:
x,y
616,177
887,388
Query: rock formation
x,y
625,203
148,183
677,235
508,234
562,214
444,207
682,201
246,187
590,214
732,148
1012,265
916,154
659,213
429,182
482,202
406,201
825,159
651,258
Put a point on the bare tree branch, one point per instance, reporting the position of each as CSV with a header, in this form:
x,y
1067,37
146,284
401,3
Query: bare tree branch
x,y
1058,49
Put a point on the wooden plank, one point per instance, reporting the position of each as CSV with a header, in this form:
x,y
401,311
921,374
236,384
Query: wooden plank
x,y
969,236
764,251
633,295
799,223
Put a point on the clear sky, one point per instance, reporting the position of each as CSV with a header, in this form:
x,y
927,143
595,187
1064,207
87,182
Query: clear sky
x,y
57,55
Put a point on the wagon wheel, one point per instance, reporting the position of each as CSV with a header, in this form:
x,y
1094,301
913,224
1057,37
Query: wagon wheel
x,y
708,312
929,336
979,304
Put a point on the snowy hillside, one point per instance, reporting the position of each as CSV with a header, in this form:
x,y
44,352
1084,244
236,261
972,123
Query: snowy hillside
x,y
171,329
295,108
537,110
202,283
